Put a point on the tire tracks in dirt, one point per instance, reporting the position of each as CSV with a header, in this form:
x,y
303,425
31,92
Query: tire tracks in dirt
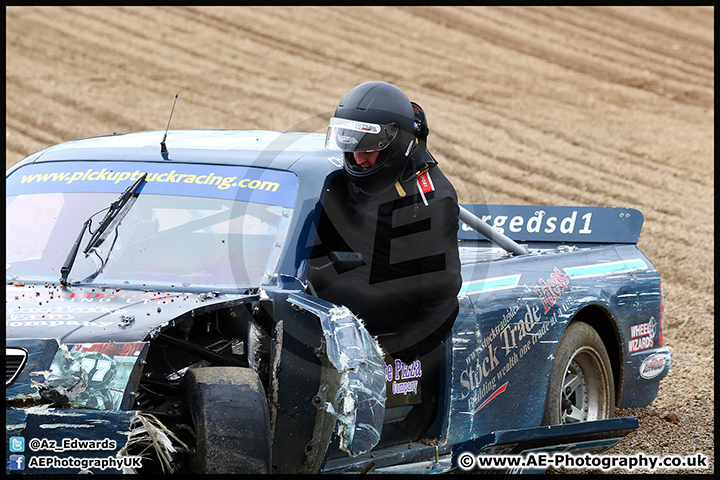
x,y
565,41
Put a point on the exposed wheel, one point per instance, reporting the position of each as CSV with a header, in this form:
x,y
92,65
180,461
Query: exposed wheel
x,y
581,384
232,424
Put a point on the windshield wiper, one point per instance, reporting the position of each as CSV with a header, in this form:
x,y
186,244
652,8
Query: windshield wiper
x,y
116,212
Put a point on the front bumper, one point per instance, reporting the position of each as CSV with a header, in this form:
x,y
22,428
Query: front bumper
x,y
67,406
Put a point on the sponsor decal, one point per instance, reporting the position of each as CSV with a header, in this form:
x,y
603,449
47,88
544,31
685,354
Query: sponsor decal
x,y
637,344
347,140
425,182
403,376
486,370
539,223
642,336
654,365
51,321
643,329
557,223
367,127
54,315
260,185
552,288
425,185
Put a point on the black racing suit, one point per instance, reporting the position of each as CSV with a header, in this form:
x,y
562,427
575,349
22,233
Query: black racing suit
x,y
405,290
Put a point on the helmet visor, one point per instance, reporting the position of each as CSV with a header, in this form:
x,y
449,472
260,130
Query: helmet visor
x,y
354,136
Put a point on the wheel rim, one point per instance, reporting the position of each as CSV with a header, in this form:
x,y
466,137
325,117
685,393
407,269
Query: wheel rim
x,y
585,388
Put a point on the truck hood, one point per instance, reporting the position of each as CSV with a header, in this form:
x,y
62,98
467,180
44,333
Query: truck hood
x,y
87,315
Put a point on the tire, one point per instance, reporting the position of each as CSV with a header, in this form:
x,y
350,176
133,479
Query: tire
x,y
581,384
232,424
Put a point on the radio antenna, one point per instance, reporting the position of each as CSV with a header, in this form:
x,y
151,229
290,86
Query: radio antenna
x,y
163,148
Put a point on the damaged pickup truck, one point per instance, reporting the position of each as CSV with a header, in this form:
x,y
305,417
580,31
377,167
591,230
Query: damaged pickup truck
x,y
159,319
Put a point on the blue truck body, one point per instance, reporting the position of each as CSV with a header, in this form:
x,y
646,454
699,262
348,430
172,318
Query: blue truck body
x,y
80,355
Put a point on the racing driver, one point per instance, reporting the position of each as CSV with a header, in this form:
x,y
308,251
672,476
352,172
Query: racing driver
x,y
389,224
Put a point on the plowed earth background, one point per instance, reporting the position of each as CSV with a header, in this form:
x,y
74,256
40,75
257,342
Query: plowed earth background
x,y
564,106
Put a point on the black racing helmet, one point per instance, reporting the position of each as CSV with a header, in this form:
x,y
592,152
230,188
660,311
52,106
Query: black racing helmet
x,y
374,116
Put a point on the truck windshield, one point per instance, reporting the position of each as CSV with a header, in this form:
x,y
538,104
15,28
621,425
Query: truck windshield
x,y
198,235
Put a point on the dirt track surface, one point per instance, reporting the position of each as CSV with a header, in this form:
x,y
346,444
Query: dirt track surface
x,y
563,106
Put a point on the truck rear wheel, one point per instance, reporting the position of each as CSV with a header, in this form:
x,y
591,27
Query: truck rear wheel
x,y
581,384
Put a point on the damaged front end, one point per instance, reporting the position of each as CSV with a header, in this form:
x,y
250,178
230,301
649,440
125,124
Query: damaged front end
x,y
126,393
68,407
321,375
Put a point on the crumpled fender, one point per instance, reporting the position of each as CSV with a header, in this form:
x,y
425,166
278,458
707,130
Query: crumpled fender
x,y
354,393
